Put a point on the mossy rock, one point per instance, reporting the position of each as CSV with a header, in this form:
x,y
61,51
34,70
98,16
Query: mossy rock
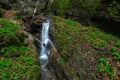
x,y
17,60
9,32
80,48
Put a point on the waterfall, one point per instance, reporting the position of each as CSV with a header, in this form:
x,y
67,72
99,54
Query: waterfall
x,y
46,45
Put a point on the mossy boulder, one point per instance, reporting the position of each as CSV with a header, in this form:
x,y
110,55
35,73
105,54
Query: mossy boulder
x,y
19,60
79,51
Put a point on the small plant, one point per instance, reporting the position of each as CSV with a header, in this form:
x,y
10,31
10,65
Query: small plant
x,y
5,63
7,27
9,50
103,44
117,43
71,22
17,16
8,32
116,55
105,67
24,49
114,49
28,59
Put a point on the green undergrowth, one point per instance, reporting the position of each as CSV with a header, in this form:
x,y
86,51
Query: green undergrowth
x,y
105,67
9,32
17,16
17,60
79,45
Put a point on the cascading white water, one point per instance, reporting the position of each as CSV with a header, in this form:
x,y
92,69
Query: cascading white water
x,y
47,73
46,45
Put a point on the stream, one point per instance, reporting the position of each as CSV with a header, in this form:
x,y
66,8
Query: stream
x,y
47,72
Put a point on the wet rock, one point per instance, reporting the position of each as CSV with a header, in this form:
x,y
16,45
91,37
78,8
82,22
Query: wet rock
x,y
33,24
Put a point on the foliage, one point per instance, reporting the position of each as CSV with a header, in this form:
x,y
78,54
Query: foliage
x,y
17,60
7,27
5,63
114,49
116,55
17,16
14,51
91,6
27,59
105,67
64,5
78,44
114,9
9,32
117,43
60,6
67,37
17,67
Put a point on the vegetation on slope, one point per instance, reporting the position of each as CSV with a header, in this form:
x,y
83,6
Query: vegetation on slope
x,y
87,52
17,60
103,13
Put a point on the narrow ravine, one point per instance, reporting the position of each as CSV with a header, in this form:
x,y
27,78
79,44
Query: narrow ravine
x,y
46,44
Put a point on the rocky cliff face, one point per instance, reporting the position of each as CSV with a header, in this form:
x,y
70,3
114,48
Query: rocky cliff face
x,y
25,7
102,13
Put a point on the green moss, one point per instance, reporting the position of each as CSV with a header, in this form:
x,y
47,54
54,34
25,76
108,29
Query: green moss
x,y
90,6
104,66
17,16
7,27
9,32
62,6
113,9
14,51
79,47
17,61
114,49
20,67
117,43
